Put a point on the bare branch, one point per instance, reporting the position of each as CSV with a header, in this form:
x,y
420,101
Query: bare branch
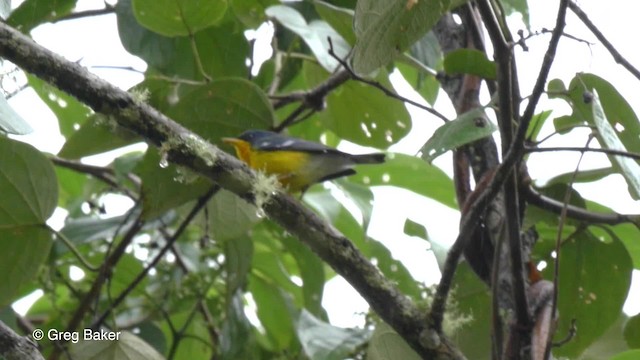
x,y
612,50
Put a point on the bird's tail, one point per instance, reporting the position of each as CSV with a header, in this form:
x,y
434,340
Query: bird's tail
x,y
376,158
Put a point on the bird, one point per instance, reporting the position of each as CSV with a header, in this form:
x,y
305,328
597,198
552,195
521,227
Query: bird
x,y
296,163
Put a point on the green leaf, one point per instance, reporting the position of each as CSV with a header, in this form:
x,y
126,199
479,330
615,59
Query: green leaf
x,y
413,228
70,112
128,346
426,85
23,249
632,332
314,34
387,344
177,17
411,173
225,107
393,269
614,110
322,341
238,255
175,56
10,121
237,340
312,272
386,28
341,19
470,61
152,335
536,124
97,135
125,272
593,295
230,217
361,114
194,343
27,183
168,187
32,13
627,355
273,312
610,139
466,128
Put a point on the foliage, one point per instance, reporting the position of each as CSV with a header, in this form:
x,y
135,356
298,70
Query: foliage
x,y
183,270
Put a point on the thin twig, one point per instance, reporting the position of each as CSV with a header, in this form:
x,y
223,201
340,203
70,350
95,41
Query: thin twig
x,y
199,205
380,87
73,250
556,267
535,198
104,174
632,155
612,50
108,9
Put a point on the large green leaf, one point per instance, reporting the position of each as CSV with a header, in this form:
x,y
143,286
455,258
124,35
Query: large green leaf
x,y
128,346
360,113
225,107
32,13
27,184
468,127
314,34
23,249
411,173
387,344
615,111
273,312
386,28
322,341
178,17
230,217
237,340
312,272
610,139
175,56
593,295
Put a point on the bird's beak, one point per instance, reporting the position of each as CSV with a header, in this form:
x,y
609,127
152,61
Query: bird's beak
x,y
231,141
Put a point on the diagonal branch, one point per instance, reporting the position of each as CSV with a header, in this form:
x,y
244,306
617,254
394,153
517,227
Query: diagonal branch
x,y
612,50
185,148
